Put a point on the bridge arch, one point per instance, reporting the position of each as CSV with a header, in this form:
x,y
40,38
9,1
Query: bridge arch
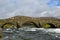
x,y
6,24
49,25
29,23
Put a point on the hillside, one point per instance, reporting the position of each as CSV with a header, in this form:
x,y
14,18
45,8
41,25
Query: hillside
x,y
22,19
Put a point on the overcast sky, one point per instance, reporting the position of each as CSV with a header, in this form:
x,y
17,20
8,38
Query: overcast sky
x,y
32,8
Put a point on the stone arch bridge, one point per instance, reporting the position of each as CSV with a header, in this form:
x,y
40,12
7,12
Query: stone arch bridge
x,y
21,21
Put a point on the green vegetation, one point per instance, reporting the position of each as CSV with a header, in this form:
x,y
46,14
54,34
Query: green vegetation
x,y
47,26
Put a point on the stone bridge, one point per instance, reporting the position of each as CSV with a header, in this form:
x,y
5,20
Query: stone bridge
x,y
28,21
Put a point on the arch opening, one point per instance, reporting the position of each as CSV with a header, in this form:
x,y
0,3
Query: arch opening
x,y
49,25
7,25
31,24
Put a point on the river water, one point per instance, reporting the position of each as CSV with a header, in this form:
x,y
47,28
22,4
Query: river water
x,y
30,34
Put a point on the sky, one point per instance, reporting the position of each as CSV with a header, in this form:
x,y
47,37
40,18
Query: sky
x,y
32,8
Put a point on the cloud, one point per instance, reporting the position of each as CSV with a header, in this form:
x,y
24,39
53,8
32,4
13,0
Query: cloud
x,y
32,8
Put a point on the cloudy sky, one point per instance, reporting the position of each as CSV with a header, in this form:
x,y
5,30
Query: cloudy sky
x,y
32,8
